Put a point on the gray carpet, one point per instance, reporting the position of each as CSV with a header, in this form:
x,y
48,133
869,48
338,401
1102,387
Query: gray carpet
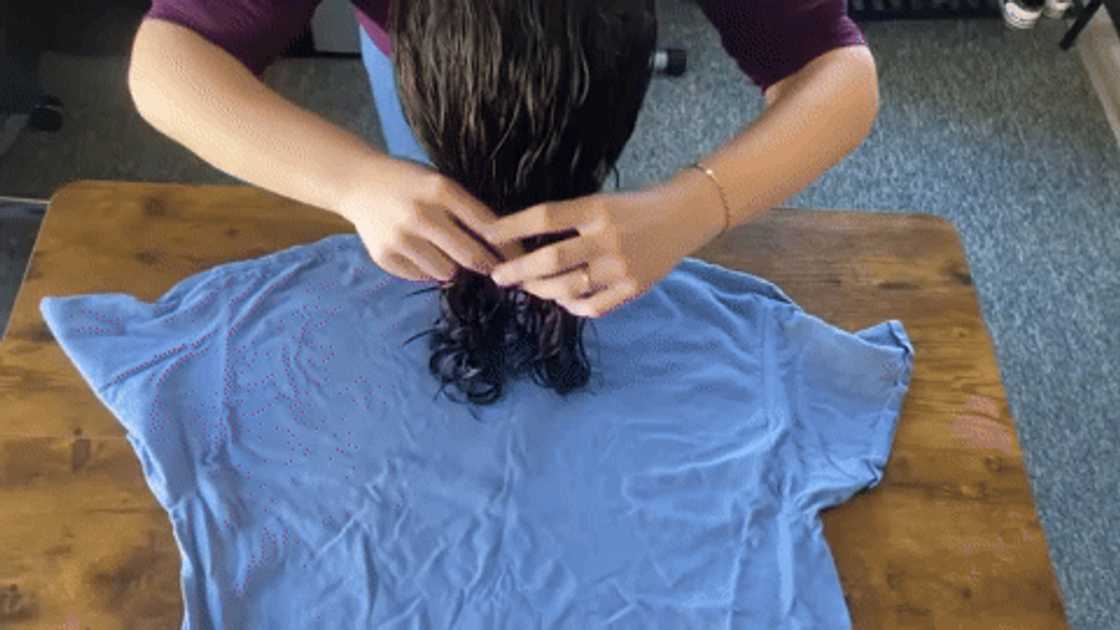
x,y
995,130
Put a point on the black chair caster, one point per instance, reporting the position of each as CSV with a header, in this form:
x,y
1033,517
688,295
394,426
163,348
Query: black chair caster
x,y
670,61
46,115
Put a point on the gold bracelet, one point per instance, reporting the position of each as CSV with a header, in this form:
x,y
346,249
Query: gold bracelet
x,y
722,196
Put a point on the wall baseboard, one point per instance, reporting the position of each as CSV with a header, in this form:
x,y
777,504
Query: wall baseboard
x,y
1099,48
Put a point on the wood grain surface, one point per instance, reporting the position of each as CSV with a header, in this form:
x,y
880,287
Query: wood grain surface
x,y
949,539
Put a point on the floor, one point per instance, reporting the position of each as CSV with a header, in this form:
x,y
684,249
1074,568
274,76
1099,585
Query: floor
x,y
996,130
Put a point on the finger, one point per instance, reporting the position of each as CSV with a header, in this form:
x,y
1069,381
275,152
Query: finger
x,y
397,265
547,261
404,268
544,218
510,250
470,214
449,235
473,217
603,302
427,257
565,287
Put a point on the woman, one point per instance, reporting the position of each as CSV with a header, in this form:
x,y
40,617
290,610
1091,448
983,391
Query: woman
x,y
193,72
192,77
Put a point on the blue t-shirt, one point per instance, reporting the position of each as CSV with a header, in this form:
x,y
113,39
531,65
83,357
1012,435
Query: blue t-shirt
x,y
314,480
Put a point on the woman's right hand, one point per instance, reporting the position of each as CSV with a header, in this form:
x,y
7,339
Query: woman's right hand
x,y
410,219
407,215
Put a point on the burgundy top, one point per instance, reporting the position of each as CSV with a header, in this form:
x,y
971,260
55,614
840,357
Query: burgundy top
x,y
770,39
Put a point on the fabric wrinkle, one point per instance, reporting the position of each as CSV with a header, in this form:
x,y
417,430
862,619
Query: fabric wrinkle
x,y
310,477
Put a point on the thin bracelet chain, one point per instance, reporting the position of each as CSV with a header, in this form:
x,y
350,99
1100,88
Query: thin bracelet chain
x,y
722,196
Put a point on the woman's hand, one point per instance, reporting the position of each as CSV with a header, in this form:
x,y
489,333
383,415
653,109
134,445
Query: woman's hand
x,y
418,224
630,240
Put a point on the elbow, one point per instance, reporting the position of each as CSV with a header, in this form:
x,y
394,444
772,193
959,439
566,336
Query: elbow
x,y
140,73
139,88
134,91
872,107
863,100
870,100
864,121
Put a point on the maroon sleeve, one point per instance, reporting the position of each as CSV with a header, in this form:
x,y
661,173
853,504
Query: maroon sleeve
x,y
254,31
772,39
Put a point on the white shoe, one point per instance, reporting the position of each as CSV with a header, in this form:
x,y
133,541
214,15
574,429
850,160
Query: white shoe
x,y
1017,16
1056,8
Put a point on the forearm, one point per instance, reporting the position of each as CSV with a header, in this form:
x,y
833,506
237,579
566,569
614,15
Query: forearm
x,y
204,99
823,113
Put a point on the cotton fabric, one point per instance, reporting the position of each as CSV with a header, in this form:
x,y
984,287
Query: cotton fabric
x,y
314,479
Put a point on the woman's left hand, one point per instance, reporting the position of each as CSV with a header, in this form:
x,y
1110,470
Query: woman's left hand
x,y
630,240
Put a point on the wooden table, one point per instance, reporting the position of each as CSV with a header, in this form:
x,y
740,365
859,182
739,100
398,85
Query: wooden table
x,y
949,539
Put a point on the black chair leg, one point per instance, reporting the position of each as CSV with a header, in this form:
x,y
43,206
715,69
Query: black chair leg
x,y
1083,18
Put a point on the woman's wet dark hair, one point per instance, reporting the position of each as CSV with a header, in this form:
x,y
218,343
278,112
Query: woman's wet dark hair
x,y
520,102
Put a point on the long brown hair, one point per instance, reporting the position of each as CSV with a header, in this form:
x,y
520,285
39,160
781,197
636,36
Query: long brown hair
x,y
520,102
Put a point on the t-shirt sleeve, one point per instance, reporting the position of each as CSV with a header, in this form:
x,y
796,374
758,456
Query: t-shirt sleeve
x,y
142,360
773,39
101,335
254,31
840,395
